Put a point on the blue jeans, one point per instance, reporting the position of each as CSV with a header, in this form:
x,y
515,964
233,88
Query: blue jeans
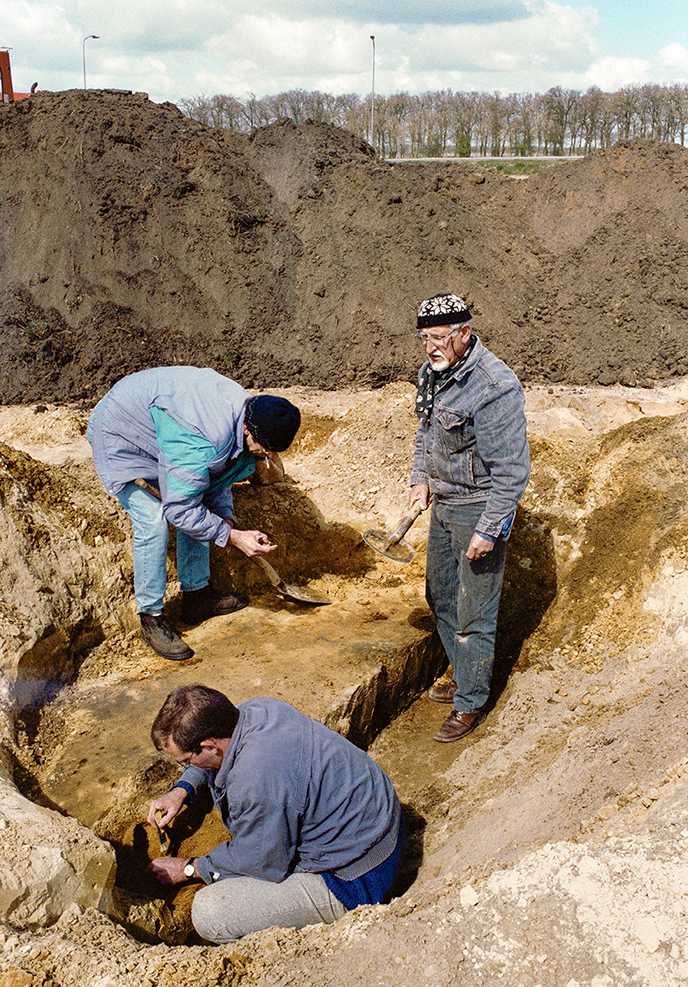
x,y
464,597
230,909
150,551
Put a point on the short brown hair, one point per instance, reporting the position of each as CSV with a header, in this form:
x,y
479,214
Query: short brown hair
x,y
193,713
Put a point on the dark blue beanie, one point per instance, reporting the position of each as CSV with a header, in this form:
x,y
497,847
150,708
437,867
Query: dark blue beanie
x,y
272,421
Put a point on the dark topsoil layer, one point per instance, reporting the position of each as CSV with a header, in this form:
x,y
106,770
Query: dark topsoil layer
x,y
131,237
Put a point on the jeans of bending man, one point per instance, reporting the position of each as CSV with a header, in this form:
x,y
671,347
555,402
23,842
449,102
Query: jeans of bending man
x,y
151,534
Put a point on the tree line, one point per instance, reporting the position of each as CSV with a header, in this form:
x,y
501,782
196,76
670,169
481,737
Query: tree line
x,y
445,123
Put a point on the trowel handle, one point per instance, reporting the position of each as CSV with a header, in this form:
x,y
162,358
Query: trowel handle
x,y
267,569
403,526
149,488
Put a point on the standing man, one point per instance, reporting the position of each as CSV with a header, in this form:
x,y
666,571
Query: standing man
x,y
316,826
471,459
169,443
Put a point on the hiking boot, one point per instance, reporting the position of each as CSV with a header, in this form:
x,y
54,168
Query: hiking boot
x,y
202,604
443,692
157,633
459,725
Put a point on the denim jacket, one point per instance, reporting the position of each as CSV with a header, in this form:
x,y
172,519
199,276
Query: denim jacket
x,y
474,446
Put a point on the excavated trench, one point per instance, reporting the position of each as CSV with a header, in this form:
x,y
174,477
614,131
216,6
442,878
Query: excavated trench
x,y
591,642
355,664
89,749
87,702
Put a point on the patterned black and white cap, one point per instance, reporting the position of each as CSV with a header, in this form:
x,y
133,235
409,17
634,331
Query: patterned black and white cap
x,y
443,310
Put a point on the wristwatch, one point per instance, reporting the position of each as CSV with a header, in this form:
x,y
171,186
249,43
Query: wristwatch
x,y
189,868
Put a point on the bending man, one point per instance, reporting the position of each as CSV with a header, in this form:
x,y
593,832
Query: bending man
x,y
471,457
316,826
169,443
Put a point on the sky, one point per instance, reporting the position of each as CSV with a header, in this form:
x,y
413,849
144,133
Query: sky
x,y
174,50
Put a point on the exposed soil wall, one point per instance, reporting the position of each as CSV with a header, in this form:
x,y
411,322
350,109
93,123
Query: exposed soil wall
x,y
133,237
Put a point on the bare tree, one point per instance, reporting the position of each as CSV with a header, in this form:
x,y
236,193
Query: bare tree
x,y
319,107
418,120
196,108
483,124
559,105
591,107
512,124
678,96
560,121
464,119
395,110
625,107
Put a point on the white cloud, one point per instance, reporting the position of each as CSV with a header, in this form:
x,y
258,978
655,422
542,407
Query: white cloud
x,y
668,67
265,57
178,48
672,62
610,74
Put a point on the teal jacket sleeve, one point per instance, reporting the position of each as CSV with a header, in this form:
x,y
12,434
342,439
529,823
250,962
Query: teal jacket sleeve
x,y
184,476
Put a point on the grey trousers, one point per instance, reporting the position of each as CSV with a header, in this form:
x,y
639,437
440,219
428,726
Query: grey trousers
x,y
229,909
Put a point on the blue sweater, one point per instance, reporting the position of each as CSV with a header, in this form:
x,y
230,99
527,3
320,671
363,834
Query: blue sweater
x,y
296,796
181,428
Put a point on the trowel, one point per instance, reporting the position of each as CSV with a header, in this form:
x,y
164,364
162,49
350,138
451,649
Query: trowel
x,y
163,836
297,593
391,545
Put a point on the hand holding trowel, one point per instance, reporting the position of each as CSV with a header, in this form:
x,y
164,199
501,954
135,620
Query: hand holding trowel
x,y
299,594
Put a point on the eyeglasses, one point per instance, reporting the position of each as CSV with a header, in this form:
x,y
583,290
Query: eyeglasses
x,y
429,336
186,761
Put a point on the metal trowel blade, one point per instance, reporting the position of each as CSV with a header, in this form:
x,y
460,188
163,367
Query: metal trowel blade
x,y
163,835
400,551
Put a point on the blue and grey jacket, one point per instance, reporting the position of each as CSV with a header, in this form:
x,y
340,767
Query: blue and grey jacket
x,y
295,796
181,428
474,446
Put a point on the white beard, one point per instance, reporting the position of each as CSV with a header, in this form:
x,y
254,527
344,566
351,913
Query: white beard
x,y
439,363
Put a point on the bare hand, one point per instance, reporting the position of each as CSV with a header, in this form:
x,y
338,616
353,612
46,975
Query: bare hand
x,y
169,804
169,870
478,546
420,493
251,542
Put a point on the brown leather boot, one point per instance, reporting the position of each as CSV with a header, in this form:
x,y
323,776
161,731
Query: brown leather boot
x,y
443,691
459,725
201,604
157,633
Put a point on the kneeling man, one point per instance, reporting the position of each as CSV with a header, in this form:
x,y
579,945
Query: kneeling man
x,y
315,825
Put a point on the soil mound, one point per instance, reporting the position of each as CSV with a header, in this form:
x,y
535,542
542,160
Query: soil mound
x,y
132,236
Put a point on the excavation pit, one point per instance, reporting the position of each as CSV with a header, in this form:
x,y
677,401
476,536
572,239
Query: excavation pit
x,y
84,709
94,760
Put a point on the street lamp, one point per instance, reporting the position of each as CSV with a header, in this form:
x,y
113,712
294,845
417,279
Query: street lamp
x,y
83,51
372,97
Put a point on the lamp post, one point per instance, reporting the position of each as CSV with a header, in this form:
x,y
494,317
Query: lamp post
x,y
372,98
83,52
